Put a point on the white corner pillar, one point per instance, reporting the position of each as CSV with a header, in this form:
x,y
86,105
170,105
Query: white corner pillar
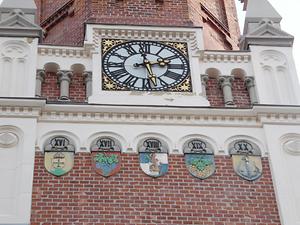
x,y
88,79
250,84
40,78
204,80
64,79
226,85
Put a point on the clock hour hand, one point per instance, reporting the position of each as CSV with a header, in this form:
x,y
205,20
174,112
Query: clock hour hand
x,y
151,76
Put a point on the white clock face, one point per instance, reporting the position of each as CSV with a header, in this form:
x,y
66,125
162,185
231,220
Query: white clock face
x,y
145,65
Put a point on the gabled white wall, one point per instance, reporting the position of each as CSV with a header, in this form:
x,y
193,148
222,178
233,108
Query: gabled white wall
x,y
18,62
275,75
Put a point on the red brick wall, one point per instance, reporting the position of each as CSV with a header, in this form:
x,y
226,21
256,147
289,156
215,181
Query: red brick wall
x,y
70,29
240,93
51,88
131,197
77,88
215,95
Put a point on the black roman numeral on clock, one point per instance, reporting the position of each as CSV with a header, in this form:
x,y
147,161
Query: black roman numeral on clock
x,y
146,84
172,75
131,80
119,56
176,66
145,47
119,73
171,57
160,50
115,64
162,82
130,50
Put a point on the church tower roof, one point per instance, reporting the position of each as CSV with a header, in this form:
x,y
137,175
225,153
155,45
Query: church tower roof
x,y
18,19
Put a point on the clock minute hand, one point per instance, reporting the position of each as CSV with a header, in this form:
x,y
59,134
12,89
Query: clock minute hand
x,y
147,64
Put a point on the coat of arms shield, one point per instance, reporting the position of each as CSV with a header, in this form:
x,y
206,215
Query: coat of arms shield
x,y
106,156
246,159
59,155
153,156
199,158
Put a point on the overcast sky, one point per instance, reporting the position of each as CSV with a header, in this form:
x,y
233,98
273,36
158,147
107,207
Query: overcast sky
x,y
290,12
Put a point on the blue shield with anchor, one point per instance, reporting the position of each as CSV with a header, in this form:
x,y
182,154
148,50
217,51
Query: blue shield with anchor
x,y
246,159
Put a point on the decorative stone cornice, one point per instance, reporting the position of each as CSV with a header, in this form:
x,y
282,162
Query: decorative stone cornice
x,y
190,116
226,57
63,51
192,35
20,112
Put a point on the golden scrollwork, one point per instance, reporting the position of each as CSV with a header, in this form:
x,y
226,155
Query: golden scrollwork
x,y
182,47
109,85
185,86
107,44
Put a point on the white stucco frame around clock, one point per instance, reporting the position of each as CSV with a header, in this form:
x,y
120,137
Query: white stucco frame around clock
x,y
192,36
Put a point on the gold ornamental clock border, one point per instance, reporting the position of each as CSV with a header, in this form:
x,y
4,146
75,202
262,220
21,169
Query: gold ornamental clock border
x,y
109,85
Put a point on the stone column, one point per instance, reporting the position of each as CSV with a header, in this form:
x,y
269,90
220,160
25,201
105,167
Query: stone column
x,y
226,85
40,77
250,84
88,83
64,79
204,79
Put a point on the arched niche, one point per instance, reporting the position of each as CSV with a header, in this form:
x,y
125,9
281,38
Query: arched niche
x,y
51,67
113,135
213,73
239,73
77,68
137,140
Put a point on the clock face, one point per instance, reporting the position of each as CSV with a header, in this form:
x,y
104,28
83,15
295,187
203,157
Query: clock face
x,y
145,66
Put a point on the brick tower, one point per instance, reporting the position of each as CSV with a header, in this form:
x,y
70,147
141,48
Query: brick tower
x,y
63,20
144,112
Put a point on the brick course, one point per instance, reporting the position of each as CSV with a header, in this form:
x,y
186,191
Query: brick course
x,y
70,29
132,197
51,88
215,95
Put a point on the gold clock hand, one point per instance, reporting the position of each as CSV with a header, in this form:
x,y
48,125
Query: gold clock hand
x,y
151,76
